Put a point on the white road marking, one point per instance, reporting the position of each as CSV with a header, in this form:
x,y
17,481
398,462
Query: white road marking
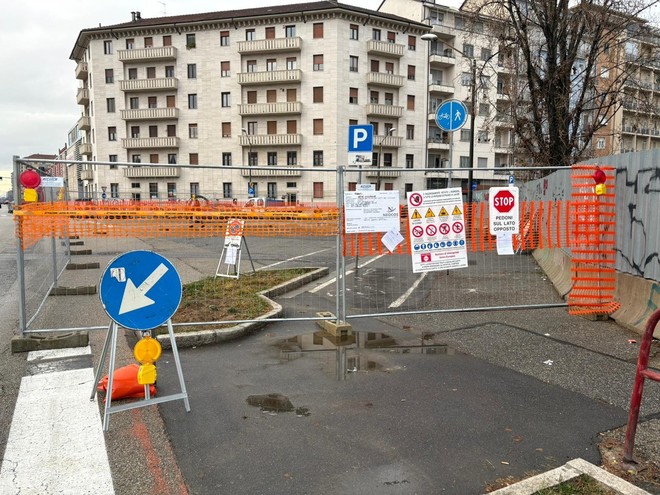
x,y
294,258
333,279
56,442
58,353
406,294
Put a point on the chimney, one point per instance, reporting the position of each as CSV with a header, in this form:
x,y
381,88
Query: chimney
x,y
133,15
138,16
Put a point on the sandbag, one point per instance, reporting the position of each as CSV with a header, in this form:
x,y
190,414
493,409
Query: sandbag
x,y
125,384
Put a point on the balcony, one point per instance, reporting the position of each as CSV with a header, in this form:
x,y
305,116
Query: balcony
x,y
438,143
378,110
388,141
272,171
437,87
384,48
86,149
151,172
276,108
82,97
383,172
270,139
441,31
84,123
82,70
150,143
86,175
384,79
150,114
444,58
147,54
273,45
270,77
154,84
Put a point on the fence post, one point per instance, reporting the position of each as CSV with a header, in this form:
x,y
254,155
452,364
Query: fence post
x,y
341,260
20,259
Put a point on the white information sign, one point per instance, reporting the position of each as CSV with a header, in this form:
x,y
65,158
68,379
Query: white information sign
x,y
437,230
503,210
52,182
371,211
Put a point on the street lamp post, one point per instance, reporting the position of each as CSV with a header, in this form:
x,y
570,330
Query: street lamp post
x,y
380,155
247,135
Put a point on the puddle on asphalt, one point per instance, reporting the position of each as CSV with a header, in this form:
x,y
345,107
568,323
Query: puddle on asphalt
x,y
276,403
353,352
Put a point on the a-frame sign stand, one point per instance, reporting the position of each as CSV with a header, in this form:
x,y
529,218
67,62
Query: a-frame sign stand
x,y
139,290
231,250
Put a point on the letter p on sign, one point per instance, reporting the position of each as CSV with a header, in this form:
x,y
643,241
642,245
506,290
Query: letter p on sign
x,y
361,138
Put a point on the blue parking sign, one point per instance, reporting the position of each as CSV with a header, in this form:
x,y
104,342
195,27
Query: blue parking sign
x,y
360,144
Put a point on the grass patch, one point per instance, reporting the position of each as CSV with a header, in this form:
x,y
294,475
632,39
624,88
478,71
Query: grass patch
x,y
580,485
228,299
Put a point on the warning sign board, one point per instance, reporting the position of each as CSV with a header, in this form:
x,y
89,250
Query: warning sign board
x,y
234,232
503,210
437,241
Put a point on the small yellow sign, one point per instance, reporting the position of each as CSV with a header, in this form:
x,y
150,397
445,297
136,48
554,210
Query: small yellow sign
x,y
416,215
456,211
146,374
429,213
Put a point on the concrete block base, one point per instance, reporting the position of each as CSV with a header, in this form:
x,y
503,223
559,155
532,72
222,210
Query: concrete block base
x,y
332,327
41,343
86,290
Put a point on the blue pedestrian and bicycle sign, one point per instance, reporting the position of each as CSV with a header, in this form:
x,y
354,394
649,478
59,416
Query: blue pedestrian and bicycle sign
x,y
451,115
140,290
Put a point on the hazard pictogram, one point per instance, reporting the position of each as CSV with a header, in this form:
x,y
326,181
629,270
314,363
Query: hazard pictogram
x,y
425,257
456,211
416,215
444,228
457,227
443,212
429,213
417,231
415,199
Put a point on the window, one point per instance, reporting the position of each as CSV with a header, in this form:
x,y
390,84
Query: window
x,y
484,109
114,189
194,189
317,30
224,38
251,65
318,126
600,144
226,159
272,158
135,131
192,131
109,76
353,63
389,67
112,158
153,131
226,129
251,128
192,100
353,95
291,63
272,190
459,22
289,31
387,159
391,37
270,33
132,73
291,126
171,158
466,79
171,189
482,137
465,134
468,50
318,94
373,97
253,159
151,73
136,159
410,161
130,43
171,130
271,64
389,98
169,71
225,99
170,101
190,40
410,131
226,190
271,96
375,34
464,162
134,103
291,94
411,73
251,97
375,66
193,158
153,190
110,105
318,190
486,54
167,40
192,71
412,43
224,69
318,62
605,72
107,47
317,158
354,31
271,127
112,134
292,158
152,102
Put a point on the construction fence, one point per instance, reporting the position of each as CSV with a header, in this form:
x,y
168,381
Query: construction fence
x,y
64,246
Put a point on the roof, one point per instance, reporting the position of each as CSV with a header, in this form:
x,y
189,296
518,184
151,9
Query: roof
x,y
233,15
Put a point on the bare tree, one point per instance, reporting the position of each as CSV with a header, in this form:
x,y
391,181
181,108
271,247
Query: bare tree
x,y
573,62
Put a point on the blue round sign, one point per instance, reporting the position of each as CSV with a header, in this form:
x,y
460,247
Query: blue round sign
x,y
451,115
140,290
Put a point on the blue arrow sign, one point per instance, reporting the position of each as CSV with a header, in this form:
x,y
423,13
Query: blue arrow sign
x,y
451,115
140,290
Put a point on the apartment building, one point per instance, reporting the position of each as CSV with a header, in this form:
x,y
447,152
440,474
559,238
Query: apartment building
x,y
272,89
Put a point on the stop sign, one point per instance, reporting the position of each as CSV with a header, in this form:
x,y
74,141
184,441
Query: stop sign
x,y
504,201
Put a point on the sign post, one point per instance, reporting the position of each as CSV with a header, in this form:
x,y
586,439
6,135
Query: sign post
x,y
139,290
450,116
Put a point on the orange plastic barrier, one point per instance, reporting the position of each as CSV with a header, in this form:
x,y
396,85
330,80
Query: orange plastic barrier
x,y
125,384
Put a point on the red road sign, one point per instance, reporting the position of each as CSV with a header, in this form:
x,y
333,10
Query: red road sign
x,y
503,201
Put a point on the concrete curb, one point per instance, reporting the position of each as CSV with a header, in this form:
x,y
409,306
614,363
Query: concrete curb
x,y
570,470
215,336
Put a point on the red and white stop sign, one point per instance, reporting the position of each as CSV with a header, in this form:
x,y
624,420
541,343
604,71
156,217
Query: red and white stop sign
x,y
504,201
